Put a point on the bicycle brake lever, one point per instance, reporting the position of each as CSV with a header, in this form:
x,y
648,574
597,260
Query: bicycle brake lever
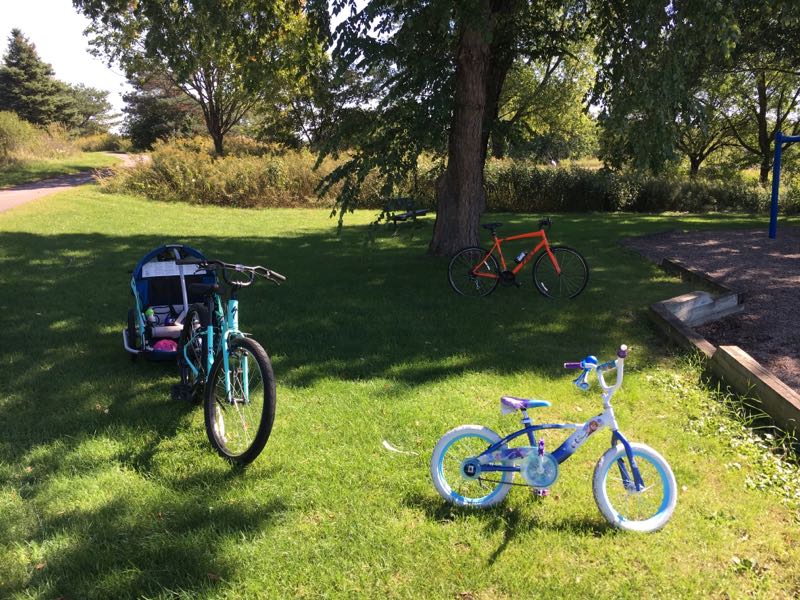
x,y
581,382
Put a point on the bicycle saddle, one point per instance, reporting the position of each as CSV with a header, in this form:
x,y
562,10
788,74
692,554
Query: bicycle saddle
x,y
491,226
509,404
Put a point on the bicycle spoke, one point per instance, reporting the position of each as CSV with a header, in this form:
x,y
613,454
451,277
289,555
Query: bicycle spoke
x,y
468,272
245,427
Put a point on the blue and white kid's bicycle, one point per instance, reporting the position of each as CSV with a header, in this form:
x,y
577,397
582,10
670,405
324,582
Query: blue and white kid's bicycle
x,y
633,485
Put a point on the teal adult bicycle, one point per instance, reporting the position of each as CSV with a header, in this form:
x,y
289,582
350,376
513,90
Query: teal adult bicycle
x,y
229,372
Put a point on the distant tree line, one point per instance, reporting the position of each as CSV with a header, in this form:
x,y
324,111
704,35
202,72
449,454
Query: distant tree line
x,y
641,85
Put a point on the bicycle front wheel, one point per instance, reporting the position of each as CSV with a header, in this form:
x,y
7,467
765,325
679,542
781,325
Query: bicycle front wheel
x,y
571,278
239,415
472,273
625,507
450,468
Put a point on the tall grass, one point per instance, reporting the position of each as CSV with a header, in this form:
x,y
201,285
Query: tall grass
x,y
249,175
20,140
103,142
256,175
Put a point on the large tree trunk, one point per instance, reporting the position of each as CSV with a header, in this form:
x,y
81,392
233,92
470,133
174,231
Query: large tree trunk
x,y
214,124
764,141
499,145
460,197
763,171
694,165
481,67
502,52
218,138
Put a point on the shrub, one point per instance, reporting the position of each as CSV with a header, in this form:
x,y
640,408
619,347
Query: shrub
x,y
15,135
253,174
248,175
103,142
20,140
523,187
186,171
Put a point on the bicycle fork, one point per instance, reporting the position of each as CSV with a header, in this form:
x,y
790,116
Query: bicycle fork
x,y
233,327
635,483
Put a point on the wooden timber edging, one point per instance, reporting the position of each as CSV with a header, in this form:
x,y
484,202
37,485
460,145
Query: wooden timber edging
x,y
673,265
746,375
675,317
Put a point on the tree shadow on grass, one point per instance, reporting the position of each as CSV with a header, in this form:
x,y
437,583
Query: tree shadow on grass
x,y
510,521
171,544
73,404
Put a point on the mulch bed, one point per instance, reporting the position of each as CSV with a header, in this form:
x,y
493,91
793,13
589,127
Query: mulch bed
x,y
766,271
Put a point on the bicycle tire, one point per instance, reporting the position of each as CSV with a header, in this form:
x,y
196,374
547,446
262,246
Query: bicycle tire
x,y
234,441
448,479
133,334
573,278
459,272
650,513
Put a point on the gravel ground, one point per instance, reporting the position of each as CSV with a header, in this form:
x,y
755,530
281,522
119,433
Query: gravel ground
x,y
766,271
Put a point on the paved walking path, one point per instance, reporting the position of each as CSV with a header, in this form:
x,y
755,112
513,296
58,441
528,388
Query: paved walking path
x,y
34,190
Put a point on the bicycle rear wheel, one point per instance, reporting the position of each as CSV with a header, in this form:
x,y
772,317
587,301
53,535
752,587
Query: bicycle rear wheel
x,y
453,454
134,340
192,350
239,422
573,276
470,275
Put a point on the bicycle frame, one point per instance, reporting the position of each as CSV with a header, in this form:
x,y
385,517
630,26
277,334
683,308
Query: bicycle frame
x,y
498,242
229,328
497,452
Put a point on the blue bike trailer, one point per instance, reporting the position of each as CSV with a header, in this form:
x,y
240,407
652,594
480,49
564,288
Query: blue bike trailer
x,y
160,289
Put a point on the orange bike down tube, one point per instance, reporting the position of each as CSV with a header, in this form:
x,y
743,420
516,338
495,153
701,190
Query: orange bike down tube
x,y
497,246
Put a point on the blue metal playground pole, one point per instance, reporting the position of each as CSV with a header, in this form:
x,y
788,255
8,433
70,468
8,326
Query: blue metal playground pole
x,y
780,140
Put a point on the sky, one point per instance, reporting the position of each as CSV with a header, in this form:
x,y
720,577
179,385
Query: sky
x,y
56,29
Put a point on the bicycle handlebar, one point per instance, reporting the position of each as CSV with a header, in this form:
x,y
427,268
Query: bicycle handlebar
x,y
250,272
589,364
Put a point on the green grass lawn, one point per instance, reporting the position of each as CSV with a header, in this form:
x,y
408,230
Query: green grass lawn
x,y
24,172
108,489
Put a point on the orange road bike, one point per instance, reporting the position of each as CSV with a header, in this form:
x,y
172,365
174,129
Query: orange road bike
x,y
559,272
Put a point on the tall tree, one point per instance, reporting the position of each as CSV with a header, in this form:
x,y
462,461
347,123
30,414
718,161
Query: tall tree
x,y
542,108
704,129
441,67
156,110
654,58
765,102
88,109
224,56
27,83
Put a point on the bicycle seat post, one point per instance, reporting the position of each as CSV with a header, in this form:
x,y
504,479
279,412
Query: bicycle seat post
x,y
492,227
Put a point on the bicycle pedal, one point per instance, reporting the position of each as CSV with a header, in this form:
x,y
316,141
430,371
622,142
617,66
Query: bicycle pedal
x,y
181,392
540,492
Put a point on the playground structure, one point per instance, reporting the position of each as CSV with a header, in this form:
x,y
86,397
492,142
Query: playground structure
x,y
780,140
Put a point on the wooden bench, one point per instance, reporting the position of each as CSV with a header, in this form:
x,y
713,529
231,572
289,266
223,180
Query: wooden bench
x,y
401,210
